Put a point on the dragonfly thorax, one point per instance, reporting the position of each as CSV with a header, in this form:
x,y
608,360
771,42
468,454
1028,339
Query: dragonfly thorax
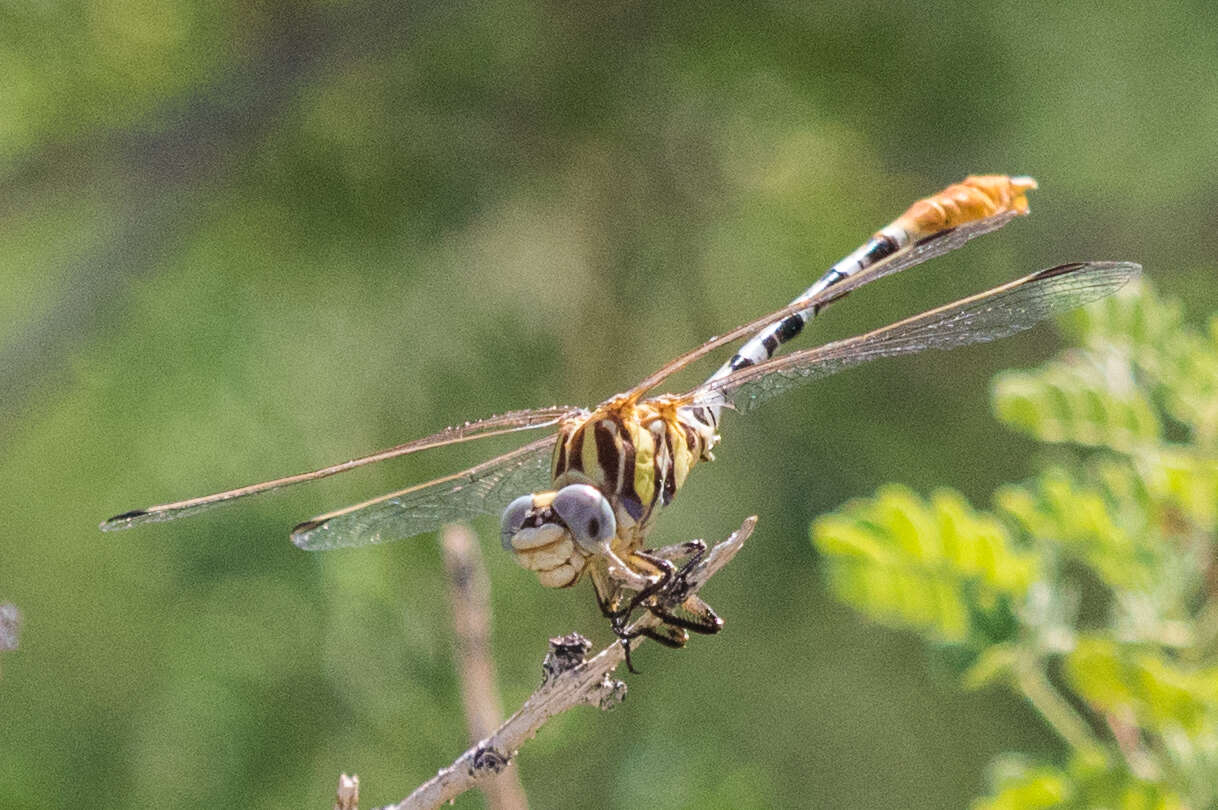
x,y
638,454
617,466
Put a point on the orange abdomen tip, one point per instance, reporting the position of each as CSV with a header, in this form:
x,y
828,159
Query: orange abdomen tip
x,y
977,197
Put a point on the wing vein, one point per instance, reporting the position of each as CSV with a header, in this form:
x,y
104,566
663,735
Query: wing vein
x,y
993,314
500,425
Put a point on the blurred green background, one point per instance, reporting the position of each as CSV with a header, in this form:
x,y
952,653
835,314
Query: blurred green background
x,y
241,240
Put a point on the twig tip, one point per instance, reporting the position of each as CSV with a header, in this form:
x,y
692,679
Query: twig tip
x,y
347,797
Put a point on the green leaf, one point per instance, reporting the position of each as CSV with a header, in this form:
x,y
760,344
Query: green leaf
x,y
1144,685
1142,338
1087,523
939,567
1081,401
1184,480
1085,783
1021,787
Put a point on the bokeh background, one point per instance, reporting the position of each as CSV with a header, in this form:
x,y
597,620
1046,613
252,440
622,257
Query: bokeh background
x,y
241,240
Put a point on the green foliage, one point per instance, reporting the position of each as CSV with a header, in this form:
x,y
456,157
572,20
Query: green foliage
x,y
1157,692
1105,565
1084,783
940,567
1144,375
1073,401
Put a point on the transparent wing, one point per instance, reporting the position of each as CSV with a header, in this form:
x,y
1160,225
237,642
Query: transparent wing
x,y
481,429
990,315
927,248
484,489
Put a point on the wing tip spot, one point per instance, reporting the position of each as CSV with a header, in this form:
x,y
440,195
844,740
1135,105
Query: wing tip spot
x,y
301,531
1123,270
1061,269
123,521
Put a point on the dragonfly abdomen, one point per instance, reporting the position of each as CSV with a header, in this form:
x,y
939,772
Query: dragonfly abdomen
x,y
977,197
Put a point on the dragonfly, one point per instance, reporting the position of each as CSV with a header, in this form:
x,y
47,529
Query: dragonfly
x,y
582,501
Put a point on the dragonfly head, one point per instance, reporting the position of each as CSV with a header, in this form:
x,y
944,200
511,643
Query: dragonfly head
x,y
554,533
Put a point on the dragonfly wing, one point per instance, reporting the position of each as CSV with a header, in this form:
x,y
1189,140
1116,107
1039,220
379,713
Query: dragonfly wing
x,y
996,313
484,489
480,429
923,250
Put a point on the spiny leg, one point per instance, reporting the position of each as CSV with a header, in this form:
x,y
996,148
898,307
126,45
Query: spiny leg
x,y
673,632
666,588
679,582
664,574
672,637
702,617
608,598
670,587
664,570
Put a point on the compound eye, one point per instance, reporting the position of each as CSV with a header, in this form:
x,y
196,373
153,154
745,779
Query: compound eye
x,y
513,519
587,514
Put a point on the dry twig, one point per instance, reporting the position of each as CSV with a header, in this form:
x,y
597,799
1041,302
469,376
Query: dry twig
x,y
10,626
469,597
569,680
347,797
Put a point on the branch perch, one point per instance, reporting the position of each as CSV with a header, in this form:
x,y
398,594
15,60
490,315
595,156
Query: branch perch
x,y
569,679
10,626
469,596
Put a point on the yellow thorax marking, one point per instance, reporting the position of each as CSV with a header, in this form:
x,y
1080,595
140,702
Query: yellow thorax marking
x,y
644,463
587,453
637,419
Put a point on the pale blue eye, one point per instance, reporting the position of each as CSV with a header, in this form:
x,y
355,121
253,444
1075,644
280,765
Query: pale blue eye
x,y
587,514
513,519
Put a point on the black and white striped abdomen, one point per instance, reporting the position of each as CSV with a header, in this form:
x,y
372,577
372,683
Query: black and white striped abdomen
x,y
975,198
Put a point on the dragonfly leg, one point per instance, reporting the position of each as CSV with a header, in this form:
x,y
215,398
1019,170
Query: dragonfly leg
x,y
610,585
679,584
664,573
619,616
668,593
672,637
671,582
609,595
664,593
697,615
629,662
701,617
608,599
625,574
